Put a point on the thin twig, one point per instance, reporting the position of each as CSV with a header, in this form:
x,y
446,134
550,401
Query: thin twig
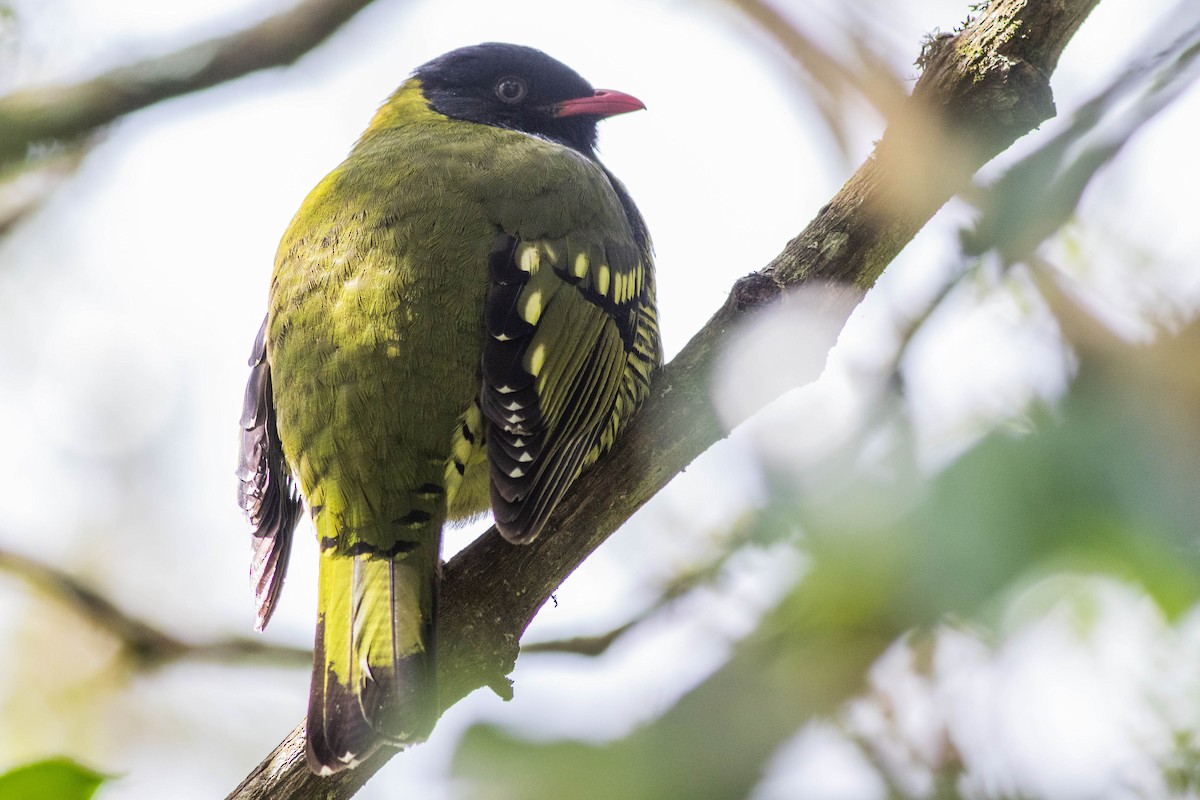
x,y
684,583
825,79
872,80
589,645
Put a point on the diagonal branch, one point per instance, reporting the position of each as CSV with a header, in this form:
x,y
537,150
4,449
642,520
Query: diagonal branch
x,y
49,113
25,190
147,645
828,79
981,90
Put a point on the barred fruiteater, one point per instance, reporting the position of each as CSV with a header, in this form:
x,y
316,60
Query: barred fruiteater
x,y
461,317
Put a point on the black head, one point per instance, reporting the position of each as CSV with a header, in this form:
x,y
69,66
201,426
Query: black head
x,y
510,86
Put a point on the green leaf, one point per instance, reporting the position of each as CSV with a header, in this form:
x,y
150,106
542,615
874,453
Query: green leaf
x,y
52,779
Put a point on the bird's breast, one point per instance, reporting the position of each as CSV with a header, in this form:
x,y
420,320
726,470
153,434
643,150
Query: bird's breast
x,y
375,339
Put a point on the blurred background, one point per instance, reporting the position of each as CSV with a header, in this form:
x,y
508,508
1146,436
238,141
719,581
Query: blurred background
x,y
962,563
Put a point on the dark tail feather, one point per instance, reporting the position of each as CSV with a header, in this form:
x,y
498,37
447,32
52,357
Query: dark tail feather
x,y
374,671
337,734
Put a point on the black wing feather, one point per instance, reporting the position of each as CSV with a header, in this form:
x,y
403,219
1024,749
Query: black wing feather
x,y
541,432
266,492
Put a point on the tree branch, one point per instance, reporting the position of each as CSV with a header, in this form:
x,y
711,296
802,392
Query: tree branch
x,y
47,113
826,80
25,190
981,89
145,644
870,79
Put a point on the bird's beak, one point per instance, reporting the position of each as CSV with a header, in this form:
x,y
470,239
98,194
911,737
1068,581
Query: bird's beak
x,y
604,103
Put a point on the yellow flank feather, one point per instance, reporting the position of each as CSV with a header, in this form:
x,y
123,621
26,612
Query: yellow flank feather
x,y
467,470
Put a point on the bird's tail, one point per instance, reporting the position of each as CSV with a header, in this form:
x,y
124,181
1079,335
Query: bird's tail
x,y
374,676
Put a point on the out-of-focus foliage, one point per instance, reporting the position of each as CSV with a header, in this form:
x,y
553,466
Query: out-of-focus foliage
x,y
1104,485
52,779
1039,196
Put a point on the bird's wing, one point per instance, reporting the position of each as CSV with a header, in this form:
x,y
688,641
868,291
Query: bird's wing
x,y
571,341
266,492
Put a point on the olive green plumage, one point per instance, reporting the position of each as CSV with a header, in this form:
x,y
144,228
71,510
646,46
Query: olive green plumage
x,y
461,317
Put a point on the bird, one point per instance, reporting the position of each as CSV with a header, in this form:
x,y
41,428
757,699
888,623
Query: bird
x,y
461,318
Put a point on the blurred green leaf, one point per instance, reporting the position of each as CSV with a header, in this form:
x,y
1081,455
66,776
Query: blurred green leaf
x,y
714,743
1105,484
52,779
1037,196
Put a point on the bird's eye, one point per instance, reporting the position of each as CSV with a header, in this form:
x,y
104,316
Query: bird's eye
x,y
511,89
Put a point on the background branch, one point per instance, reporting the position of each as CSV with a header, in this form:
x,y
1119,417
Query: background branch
x,y
145,644
704,574
48,113
23,191
826,80
981,89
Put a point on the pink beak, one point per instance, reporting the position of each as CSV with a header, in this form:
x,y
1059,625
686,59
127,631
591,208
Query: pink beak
x,y
604,103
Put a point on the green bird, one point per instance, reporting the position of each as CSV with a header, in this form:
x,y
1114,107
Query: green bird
x,y
461,317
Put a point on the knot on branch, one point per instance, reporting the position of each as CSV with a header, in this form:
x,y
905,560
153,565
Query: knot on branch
x,y
753,291
1008,90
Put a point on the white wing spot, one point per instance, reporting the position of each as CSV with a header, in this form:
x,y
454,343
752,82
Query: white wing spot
x,y
516,473
602,280
525,457
581,265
